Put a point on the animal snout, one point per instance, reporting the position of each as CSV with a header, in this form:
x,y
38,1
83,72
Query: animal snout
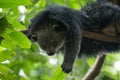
x,y
50,53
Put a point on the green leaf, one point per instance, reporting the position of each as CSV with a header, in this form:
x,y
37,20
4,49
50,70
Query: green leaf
x,y
13,3
35,57
6,73
16,66
35,47
6,55
1,48
11,45
4,69
15,23
3,24
20,39
91,61
59,74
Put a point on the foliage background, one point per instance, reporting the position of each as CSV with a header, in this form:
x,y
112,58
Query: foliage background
x,y
21,60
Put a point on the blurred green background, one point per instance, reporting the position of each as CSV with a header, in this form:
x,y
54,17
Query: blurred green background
x,y
21,60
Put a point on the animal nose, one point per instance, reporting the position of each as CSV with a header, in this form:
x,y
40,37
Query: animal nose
x,y
50,53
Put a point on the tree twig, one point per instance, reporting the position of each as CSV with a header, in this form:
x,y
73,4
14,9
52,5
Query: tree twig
x,y
95,70
100,36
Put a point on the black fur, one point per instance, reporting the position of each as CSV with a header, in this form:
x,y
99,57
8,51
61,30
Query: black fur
x,y
59,26
100,15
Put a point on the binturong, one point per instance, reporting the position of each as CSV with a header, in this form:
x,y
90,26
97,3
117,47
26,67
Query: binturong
x,y
60,27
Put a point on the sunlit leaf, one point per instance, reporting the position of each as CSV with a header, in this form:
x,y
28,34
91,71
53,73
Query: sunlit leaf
x,y
59,74
11,45
15,23
6,55
35,47
1,48
20,39
6,73
37,58
4,69
16,66
91,61
13,3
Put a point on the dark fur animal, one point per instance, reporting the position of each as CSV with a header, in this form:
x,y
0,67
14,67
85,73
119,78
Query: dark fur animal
x,y
59,26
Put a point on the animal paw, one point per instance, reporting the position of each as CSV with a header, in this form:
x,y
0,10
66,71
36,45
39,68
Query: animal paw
x,y
67,67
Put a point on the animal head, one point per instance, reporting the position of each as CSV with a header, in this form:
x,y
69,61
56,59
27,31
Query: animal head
x,y
49,29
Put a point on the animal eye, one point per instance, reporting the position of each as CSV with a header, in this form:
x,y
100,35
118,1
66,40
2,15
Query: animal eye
x,y
43,44
56,28
89,8
33,38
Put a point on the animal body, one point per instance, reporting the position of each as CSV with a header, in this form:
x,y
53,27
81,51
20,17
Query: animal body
x,y
61,27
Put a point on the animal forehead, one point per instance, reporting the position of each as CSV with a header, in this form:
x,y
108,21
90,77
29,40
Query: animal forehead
x,y
52,22
47,32
58,15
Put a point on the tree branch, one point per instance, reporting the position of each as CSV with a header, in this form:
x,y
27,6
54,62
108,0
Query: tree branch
x,y
95,70
100,36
